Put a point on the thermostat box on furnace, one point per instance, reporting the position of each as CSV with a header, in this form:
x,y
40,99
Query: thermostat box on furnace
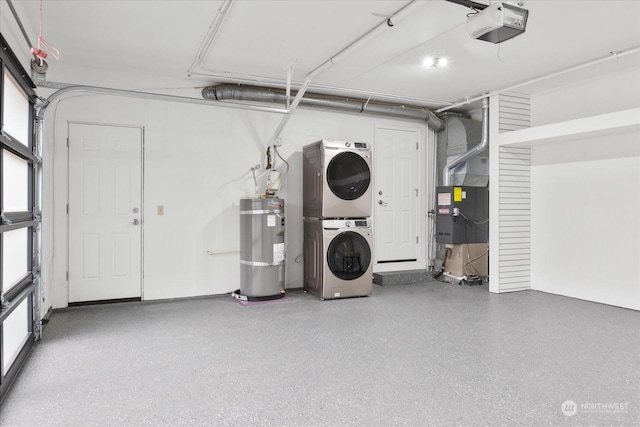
x,y
462,214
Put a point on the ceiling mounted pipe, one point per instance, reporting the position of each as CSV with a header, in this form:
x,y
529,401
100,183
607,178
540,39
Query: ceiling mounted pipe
x,y
469,4
19,22
611,56
398,16
226,92
214,29
147,95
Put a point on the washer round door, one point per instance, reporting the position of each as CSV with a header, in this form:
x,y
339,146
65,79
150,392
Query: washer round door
x,y
348,175
349,255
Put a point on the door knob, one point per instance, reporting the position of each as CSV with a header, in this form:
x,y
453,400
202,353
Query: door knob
x,y
136,221
380,202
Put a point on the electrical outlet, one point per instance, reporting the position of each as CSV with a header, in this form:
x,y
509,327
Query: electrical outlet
x,y
160,210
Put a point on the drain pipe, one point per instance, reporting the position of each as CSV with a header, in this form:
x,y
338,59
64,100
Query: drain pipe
x,y
484,143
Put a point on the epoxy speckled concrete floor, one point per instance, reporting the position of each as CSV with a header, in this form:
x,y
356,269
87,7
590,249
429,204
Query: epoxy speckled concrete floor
x,y
416,355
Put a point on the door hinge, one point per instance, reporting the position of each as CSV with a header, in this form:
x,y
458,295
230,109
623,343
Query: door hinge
x,y
67,141
67,208
67,276
417,146
417,240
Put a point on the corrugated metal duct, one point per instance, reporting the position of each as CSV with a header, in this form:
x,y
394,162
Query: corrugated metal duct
x,y
269,95
476,171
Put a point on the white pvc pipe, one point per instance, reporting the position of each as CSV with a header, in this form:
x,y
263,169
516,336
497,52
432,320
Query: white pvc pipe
x,y
292,108
154,96
395,18
613,55
398,16
289,77
223,252
211,35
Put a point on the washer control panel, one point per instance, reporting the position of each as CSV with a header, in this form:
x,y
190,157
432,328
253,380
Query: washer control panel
x,y
346,223
336,145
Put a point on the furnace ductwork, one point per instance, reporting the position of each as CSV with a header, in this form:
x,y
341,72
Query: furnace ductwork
x,y
263,94
467,157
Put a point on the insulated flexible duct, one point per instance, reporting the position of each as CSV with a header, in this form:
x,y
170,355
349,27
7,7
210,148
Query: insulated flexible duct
x,y
263,94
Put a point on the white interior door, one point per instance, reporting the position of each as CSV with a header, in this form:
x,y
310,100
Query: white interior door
x,y
105,212
396,195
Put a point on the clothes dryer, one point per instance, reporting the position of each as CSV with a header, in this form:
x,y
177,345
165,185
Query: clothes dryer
x,y
337,180
338,258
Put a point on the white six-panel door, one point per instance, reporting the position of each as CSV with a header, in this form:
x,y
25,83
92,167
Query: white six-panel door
x,y
105,212
396,195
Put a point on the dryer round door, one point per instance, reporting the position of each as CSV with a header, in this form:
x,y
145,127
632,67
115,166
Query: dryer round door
x,y
348,175
349,255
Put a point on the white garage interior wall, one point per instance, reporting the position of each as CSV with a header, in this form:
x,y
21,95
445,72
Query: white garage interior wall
x,y
197,162
585,196
584,192
585,210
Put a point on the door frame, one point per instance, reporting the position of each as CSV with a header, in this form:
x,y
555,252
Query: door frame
x,y
426,143
142,206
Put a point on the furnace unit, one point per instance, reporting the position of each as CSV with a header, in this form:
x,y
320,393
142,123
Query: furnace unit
x,y
462,215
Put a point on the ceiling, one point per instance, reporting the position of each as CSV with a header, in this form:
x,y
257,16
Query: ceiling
x,y
261,41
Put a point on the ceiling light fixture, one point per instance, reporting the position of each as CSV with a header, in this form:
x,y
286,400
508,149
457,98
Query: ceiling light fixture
x,y
435,61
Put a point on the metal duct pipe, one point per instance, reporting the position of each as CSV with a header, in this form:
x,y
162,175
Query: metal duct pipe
x,y
262,94
484,143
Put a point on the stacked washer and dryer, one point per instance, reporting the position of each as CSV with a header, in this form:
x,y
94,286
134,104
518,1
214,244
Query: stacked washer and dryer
x,y
337,199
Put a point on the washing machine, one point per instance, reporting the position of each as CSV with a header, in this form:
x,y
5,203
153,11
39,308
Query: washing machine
x,y
337,258
337,180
